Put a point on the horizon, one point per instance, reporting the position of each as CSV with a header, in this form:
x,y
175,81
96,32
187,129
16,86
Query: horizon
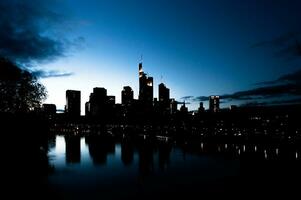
x,y
246,52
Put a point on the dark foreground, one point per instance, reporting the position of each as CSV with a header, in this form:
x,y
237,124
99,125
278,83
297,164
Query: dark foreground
x,y
38,164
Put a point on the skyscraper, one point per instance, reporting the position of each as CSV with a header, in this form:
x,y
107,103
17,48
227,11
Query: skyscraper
x,y
163,93
127,95
214,103
163,97
72,108
145,88
96,104
99,105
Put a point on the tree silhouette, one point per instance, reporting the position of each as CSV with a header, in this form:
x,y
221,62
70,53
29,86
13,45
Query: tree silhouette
x,y
20,90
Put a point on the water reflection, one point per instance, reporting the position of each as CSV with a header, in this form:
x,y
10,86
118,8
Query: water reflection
x,y
127,151
140,167
99,148
72,149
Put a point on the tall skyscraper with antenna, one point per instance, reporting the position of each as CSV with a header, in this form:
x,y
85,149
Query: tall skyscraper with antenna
x,y
145,87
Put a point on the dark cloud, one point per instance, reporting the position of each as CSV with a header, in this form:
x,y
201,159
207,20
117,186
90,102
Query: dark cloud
x,y
286,88
50,74
187,98
286,46
265,92
278,41
201,98
32,33
294,77
276,102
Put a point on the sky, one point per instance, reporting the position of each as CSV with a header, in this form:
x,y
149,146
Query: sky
x,y
248,52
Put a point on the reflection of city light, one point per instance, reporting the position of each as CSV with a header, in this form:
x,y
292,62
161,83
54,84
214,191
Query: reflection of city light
x,y
296,155
255,148
244,148
277,151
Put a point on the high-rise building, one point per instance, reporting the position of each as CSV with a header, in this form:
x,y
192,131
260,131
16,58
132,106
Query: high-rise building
x,y
164,97
99,104
97,100
214,103
145,87
173,106
163,93
110,100
72,107
127,95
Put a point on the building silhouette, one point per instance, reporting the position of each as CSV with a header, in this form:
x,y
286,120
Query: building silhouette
x,y
214,103
99,104
173,106
164,100
201,107
49,110
72,108
96,104
183,108
145,88
127,95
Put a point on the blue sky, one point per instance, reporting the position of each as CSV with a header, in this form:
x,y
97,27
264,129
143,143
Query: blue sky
x,y
200,48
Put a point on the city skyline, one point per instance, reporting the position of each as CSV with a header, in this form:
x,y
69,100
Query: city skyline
x,y
241,51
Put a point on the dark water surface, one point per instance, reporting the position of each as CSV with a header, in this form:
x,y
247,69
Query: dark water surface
x,y
105,168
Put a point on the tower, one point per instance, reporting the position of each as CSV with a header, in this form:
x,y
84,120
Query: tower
x,y
145,88
72,103
214,103
127,95
163,97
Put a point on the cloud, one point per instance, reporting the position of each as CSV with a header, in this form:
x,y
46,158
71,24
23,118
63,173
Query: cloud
x,y
286,88
286,46
187,98
201,98
50,74
265,92
276,102
278,41
32,33
294,77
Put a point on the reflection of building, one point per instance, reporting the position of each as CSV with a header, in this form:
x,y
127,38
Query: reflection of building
x,y
72,149
127,153
99,148
214,103
72,108
145,87
127,95
163,97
